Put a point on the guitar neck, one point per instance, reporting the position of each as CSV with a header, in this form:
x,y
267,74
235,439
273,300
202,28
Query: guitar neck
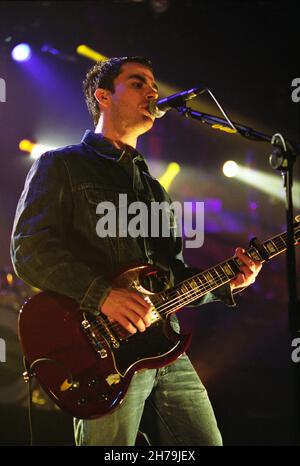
x,y
199,285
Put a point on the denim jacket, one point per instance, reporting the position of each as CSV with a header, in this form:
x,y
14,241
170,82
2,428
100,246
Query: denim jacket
x,y
54,241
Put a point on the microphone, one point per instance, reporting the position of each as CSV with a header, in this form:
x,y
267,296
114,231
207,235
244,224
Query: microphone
x,y
158,108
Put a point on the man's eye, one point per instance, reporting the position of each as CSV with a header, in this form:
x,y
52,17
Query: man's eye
x,y
137,84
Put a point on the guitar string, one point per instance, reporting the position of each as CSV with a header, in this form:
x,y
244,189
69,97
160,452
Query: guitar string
x,y
194,293
166,306
213,269
173,297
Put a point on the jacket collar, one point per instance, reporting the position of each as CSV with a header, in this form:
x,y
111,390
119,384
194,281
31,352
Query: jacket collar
x,y
101,145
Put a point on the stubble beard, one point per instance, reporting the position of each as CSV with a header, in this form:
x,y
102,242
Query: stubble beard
x,y
137,123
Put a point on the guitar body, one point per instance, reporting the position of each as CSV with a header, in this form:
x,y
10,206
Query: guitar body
x,y
86,364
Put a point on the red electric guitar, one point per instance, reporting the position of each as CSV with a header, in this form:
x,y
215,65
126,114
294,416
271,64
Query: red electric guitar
x,y
85,363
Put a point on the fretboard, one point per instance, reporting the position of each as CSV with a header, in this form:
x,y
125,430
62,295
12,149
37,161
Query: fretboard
x,y
199,285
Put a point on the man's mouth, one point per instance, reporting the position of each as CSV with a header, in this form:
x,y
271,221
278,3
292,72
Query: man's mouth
x,y
147,112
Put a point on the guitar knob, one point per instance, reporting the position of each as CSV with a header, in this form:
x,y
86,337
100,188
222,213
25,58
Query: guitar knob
x,y
82,401
93,382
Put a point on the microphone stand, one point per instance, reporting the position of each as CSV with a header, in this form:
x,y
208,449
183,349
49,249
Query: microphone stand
x,y
282,158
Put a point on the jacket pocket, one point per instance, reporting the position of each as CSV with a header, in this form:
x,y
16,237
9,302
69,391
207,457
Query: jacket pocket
x,y
109,207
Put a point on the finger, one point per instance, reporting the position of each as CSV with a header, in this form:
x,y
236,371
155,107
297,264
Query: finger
x,y
140,312
140,299
250,271
246,271
137,321
248,277
122,320
238,280
253,265
130,319
240,254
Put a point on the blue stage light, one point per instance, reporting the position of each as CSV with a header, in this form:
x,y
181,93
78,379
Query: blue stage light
x,y
21,52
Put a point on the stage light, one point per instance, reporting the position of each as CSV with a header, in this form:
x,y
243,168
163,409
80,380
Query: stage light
x,y
168,176
90,53
48,48
230,168
265,182
21,52
35,150
9,279
25,145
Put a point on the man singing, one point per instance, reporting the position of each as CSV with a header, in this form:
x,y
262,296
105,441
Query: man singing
x,y
55,247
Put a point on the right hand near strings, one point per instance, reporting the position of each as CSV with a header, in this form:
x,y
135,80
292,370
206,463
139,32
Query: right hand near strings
x,y
127,308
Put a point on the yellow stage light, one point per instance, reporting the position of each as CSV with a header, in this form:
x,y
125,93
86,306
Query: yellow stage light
x,y
25,145
90,53
9,278
35,150
168,176
226,129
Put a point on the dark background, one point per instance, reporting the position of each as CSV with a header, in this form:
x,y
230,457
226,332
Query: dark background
x,y
247,53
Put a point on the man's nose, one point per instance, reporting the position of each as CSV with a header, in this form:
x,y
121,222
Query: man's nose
x,y
152,94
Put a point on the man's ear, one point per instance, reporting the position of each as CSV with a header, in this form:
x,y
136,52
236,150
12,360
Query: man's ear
x,y
102,96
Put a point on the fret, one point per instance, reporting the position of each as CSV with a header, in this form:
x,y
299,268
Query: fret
x,y
209,278
202,279
270,247
184,287
217,273
254,254
281,243
227,269
221,273
235,265
282,240
194,284
218,279
189,285
179,291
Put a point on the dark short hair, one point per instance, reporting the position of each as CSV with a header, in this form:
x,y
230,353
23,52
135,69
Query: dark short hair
x,y
102,75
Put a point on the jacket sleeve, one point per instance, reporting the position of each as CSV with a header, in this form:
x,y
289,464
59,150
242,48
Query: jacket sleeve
x,y
39,240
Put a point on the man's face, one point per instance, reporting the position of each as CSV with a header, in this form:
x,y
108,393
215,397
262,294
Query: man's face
x,y
128,105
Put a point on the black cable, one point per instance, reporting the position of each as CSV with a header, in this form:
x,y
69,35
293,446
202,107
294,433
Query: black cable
x,y
28,375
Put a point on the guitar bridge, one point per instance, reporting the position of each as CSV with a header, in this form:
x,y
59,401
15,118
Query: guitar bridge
x,y
87,327
109,333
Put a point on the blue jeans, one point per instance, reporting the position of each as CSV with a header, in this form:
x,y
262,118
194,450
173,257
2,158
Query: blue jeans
x,y
170,405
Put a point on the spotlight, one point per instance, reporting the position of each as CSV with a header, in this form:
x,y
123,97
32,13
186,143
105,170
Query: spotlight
x,y
47,48
168,176
90,53
21,52
267,183
35,150
230,168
